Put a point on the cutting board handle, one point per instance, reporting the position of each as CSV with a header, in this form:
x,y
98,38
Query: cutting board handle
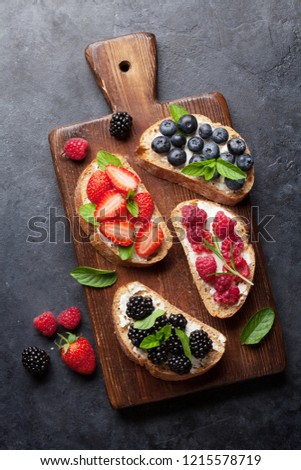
x,y
125,69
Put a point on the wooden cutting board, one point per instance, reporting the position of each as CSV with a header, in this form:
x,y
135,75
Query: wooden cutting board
x,y
125,70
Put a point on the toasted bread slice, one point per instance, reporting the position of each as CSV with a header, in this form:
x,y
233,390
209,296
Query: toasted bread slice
x,y
206,291
103,245
162,371
215,190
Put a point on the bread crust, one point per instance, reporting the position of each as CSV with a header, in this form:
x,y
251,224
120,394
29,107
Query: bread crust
x,y
162,371
107,250
241,229
151,161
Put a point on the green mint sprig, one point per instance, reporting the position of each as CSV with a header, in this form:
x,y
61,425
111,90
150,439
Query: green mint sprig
x,y
258,326
86,211
207,168
93,277
153,341
149,321
106,158
177,111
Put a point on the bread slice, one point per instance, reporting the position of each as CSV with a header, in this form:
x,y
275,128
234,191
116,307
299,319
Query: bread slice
x,y
104,246
215,190
205,290
122,322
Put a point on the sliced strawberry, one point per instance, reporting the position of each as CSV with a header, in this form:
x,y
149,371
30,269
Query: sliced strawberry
x,y
122,179
148,239
112,204
98,184
119,231
146,207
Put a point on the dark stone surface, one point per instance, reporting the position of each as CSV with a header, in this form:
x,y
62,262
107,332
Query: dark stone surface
x,y
250,51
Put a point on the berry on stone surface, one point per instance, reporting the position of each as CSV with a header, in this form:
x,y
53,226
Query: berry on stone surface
x,y
178,321
205,130
234,185
220,135
97,185
35,360
206,267
178,140
195,144
76,148
222,225
200,343
228,157
137,336
192,215
210,150
139,307
177,157
168,127
174,344
157,355
188,124
179,364
161,144
245,161
236,146
120,125
77,353
196,158
229,297
45,323
69,318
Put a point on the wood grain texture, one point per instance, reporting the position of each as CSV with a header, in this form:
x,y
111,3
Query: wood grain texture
x,y
135,91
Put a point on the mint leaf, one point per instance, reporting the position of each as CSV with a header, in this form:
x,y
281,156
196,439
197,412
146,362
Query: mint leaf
x,y
125,252
130,194
229,170
177,111
86,211
149,342
94,277
199,168
185,342
258,326
149,321
105,158
164,333
210,172
132,207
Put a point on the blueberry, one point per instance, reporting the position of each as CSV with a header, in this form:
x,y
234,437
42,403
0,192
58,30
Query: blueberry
x,y
205,131
228,157
161,144
188,124
245,162
196,158
234,184
178,140
168,127
215,176
210,150
236,146
177,157
220,135
195,144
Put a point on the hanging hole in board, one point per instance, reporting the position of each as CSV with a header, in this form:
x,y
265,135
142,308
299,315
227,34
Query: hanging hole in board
x,y
124,66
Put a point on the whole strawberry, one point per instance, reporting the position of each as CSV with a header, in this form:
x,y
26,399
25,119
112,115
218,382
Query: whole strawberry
x,y
69,318
46,323
78,354
76,148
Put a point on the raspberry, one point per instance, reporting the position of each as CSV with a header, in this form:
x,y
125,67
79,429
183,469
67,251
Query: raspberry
x,y
76,148
195,233
69,318
223,282
200,247
237,246
192,215
229,297
45,323
222,225
242,266
205,266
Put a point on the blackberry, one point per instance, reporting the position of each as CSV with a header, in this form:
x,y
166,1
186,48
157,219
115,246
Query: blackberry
x,y
200,343
178,321
139,307
35,360
174,344
137,336
120,125
160,322
179,364
158,355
